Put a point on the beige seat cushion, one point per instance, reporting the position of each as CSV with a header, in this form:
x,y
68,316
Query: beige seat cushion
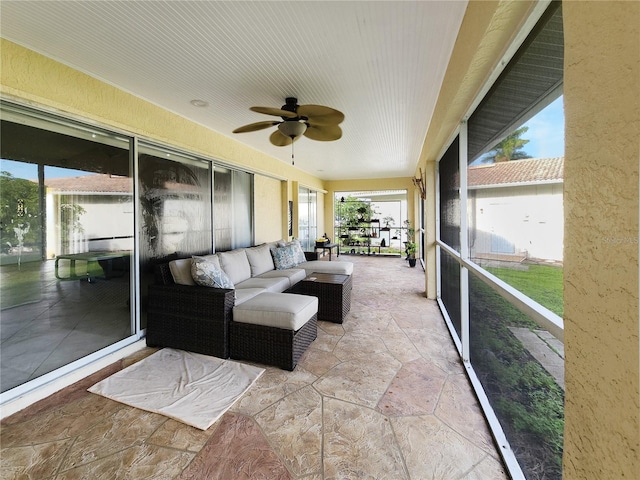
x,y
244,294
294,275
275,284
336,267
280,310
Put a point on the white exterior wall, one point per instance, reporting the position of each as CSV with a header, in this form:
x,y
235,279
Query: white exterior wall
x,y
528,218
108,216
105,216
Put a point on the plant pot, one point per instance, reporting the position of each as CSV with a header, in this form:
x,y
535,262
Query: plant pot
x,y
412,262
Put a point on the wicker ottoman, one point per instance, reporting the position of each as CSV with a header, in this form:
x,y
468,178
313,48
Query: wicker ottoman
x,y
273,329
333,292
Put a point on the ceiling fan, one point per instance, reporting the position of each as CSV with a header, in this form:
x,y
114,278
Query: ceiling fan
x,y
316,122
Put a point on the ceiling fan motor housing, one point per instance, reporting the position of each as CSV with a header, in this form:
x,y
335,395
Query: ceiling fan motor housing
x,y
291,105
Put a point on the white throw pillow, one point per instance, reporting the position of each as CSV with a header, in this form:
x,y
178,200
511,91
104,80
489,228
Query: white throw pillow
x,y
208,274
236,265
260,259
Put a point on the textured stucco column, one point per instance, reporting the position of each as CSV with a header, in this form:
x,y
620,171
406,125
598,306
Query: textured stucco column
x,y
430,230
602,78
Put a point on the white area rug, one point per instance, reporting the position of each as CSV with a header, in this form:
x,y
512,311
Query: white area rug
x,y
189,387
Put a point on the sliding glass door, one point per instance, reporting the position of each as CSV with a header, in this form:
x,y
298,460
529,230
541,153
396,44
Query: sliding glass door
x,y
233,208
78,249
174,191
67,238
307,218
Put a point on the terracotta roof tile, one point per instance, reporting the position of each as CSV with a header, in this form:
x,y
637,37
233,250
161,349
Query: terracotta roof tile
x,y
105,183
91,183
530,170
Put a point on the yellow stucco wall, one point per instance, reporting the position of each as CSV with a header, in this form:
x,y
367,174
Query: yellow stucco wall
x,y
33,78
268,220
602,115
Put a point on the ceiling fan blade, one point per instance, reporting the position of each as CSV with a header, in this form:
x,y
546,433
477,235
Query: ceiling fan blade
x,y
252,127
321,115
280,140
274,111
323,133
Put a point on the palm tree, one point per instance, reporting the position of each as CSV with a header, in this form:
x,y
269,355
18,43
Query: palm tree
x,y
510,148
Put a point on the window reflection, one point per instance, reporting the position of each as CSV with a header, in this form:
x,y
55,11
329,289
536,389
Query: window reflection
x,y
233,209
66,242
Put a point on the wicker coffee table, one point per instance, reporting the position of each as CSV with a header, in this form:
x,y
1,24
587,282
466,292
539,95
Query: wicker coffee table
x,y
333,292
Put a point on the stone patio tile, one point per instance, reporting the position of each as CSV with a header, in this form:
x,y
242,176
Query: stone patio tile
x,y
414,390
237,450
359,443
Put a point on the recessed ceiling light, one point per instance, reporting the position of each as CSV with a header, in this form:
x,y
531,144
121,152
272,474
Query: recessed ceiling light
x,y
199,103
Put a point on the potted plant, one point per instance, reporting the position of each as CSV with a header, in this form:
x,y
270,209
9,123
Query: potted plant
x,y
411,253
410,246
387,221
408,230
362,214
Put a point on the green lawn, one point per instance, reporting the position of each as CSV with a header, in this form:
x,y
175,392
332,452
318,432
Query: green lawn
x,y
542,283
525,397
19,284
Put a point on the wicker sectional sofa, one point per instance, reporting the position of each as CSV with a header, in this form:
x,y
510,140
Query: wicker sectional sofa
x,y
182,314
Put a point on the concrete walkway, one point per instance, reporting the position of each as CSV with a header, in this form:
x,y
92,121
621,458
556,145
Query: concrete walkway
x,y
545,348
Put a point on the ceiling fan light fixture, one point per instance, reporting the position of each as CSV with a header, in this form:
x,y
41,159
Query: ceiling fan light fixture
x,y
292,129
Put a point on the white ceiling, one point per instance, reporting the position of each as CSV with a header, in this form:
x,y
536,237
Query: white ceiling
x,y
379,62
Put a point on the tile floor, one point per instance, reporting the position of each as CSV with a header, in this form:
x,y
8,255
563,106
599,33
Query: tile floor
x,y
61,321
382,396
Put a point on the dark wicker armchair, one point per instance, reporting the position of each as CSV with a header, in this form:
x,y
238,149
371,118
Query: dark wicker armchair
x,y
188,317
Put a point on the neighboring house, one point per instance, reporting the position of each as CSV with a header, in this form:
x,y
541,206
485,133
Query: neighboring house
x,y
516,210
89,213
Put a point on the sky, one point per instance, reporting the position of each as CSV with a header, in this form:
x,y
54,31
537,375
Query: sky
x,y
546,132
29,171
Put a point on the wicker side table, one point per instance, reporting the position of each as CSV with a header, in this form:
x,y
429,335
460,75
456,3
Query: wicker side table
x,y
333,292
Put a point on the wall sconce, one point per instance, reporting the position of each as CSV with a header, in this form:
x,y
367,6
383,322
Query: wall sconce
x,y
421,184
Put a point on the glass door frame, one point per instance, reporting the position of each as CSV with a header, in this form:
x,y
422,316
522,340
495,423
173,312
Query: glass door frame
x,y
72,369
